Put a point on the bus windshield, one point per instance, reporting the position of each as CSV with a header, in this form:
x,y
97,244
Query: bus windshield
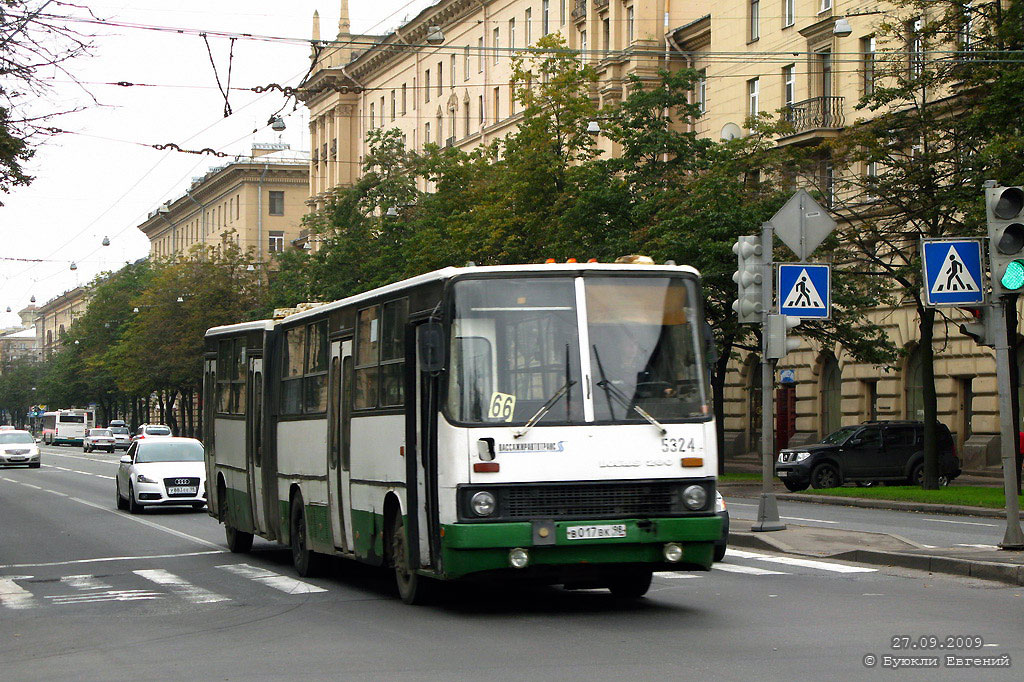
x,y
515,343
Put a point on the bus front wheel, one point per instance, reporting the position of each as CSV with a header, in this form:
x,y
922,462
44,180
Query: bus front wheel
x,y
412,587
307,563
239,542
631,584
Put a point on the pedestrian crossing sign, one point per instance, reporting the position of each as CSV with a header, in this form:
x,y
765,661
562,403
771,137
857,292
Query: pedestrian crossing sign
x,y
953,271
805,290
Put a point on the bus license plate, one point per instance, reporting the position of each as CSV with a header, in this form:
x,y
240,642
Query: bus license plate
x,y
181,490
617,530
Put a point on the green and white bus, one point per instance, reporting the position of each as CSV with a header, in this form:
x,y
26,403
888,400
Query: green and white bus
x,y
544,422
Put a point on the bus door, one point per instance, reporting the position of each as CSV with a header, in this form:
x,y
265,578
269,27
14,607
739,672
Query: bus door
x,y
338,452
254,441
421,469
209,391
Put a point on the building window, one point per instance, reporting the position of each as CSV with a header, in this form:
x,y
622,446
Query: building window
x,y
914,386
426,133
545,11
753,93
372,115
967,37
440,78
465,63
606,36
561,11
629,25
867,60
702,91
426,85
583,46
451,75
755,19
528,27
512,34
496,44
480,101
394,105
826,5
480,55
915,47
276,242
404,100
465,113
276,203
788,85
497,104
380,355
382,112
788,13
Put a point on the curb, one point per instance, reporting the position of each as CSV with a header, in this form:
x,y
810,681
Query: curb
x,y
953,509
1012,574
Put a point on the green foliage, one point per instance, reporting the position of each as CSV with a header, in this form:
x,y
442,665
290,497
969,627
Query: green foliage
x,y
19,389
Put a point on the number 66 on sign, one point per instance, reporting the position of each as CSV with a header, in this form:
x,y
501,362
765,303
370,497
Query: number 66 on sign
x,y
502,406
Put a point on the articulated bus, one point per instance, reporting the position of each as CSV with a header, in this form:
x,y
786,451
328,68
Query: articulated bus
x,y
542,422
67,427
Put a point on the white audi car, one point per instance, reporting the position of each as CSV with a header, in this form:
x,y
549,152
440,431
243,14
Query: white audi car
x,y
162,472
18,447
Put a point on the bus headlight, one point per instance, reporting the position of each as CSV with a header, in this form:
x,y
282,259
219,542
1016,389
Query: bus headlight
x,y
695,497
673,552
518,558
483,503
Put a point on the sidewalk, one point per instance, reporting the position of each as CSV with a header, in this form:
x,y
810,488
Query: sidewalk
x,y
882,549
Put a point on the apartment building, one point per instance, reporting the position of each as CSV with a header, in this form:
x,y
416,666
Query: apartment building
x,y
443,77
259,200
56,316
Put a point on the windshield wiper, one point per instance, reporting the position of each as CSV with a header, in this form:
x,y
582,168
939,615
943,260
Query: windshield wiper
x,y
613,391
544,409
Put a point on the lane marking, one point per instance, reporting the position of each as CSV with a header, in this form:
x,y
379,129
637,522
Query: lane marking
x,y
29,485
741,554
820,565
964,523
797,518
13,595
113,558
740,504
76,471
85,582
87,459
960,544
145,522
673,576
110,595
748,570
872,594
271,579
180,586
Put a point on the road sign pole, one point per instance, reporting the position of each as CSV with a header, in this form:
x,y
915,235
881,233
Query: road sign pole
x,y
1013,538
768,507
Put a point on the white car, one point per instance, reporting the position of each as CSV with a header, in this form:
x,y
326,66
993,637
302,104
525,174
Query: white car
x,y
162,472
18,447
98,439
152,431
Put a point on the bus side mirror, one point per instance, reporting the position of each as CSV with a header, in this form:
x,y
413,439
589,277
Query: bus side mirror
x,y
430,347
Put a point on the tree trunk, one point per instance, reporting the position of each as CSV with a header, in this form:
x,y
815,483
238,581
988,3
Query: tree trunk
x,y
931,460
170,419
718,400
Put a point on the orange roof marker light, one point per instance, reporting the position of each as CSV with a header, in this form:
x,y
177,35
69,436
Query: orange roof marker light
x,y
550,260
571,260
635,259
591,260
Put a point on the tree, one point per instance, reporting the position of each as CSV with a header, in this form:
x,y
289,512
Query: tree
x,y
33,44
18,390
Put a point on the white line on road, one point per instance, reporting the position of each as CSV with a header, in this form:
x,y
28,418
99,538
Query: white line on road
x,y
85,582
271,579
797,518
76,471
180,586
114,558
13,595
741,554
144,522
673,576
29,485
960,544
964,523
110,595
87,459
748,570
793,561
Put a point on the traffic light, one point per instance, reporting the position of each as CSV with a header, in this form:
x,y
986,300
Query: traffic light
x,y
981,329
1004,207
779,344
749,278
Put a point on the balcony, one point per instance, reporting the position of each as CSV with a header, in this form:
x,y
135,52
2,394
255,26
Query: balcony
x,y
579,12
600,5
815,114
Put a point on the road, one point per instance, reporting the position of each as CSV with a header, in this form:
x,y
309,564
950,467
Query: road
x,y
90,593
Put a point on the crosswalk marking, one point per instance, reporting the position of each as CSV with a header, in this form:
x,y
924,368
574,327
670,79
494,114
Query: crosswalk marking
x,y
84,582
748,570
180,586
672,575
271,579
793,561
108,595
13,595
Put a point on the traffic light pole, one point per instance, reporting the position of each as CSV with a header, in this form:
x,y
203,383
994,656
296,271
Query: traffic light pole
x,y
768,507
1013,538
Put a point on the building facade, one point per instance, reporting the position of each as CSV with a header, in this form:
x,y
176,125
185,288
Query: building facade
x,y
55,317
20,343
257,201
443,77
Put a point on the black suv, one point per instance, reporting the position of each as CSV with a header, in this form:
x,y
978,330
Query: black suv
x,y
866,453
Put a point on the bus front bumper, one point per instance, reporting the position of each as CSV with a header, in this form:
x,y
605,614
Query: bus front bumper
x,y
486,547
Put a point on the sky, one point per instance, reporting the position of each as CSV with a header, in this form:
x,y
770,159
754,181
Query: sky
x,y
101,179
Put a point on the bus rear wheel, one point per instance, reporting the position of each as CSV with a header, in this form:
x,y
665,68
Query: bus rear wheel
x,y
412,587
631,584
307,563
239,542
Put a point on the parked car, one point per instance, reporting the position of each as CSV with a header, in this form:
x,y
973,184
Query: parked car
x,y
890,451
152,431
98,439
161,471
19,447
122,436
723,513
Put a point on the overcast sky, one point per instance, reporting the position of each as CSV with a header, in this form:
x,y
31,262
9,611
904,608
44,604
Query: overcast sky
x,y
100,181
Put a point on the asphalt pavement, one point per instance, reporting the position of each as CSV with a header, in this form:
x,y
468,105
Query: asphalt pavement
x,y
88,592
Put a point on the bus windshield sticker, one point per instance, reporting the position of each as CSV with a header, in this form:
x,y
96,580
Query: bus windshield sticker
x,y
502,406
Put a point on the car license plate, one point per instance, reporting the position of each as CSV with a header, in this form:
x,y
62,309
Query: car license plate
x,y
16,459
617,530
782,474
181,490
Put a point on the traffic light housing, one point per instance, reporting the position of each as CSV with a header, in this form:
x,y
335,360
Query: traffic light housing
x,y
981,329
1004,208
779,344
749,278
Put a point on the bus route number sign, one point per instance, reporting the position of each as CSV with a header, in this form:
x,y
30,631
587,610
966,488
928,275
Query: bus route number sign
x,y
502,406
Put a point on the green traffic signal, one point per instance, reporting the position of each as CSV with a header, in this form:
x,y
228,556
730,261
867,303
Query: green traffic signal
x,y
1013,276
